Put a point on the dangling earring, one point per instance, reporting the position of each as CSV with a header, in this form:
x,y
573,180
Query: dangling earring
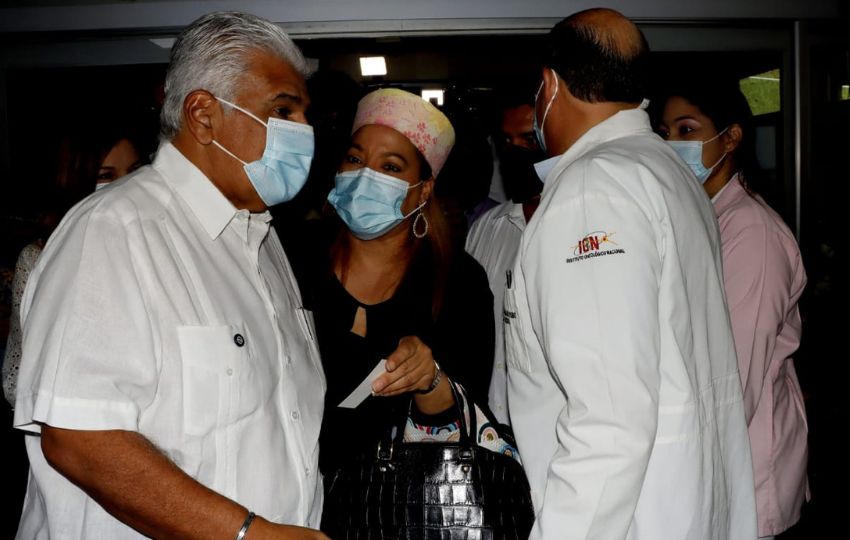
x,y
424,233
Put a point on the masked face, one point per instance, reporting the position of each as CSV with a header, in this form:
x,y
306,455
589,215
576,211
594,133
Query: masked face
x,y
517,128
283,168
379,184
693,136
369,202
516,164
691,153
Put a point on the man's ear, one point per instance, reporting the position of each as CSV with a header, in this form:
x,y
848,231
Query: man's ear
x,y
200,112
732,138
550,83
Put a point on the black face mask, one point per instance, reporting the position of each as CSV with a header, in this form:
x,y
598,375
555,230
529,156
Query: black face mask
x,y
516,163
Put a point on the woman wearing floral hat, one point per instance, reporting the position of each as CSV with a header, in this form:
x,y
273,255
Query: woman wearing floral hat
x,y
387,284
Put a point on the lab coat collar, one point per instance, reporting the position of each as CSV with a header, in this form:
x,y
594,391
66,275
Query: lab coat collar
x,y
623,124
212,209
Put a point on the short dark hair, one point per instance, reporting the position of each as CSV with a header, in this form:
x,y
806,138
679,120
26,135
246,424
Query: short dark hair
x,y
595,67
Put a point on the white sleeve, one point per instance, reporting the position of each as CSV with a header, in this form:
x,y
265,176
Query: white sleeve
x,y
592,269
88,357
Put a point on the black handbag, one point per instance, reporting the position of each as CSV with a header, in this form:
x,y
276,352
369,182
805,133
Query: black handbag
x,y
430,490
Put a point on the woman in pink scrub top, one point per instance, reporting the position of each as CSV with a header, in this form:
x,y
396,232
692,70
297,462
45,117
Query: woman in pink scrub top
x,y
709,126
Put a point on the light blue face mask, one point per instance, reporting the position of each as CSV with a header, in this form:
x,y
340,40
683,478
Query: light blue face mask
x,y
369,202
282,170
538,129
691,153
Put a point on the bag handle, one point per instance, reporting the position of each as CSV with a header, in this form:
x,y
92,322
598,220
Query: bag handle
x,y
461,399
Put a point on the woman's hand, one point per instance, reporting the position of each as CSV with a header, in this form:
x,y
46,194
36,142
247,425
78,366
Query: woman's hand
x,y
410,367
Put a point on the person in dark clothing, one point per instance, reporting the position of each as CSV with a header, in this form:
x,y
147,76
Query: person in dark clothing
x,y
384,282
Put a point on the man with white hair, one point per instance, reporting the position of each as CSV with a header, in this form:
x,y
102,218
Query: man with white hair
x,y
169,373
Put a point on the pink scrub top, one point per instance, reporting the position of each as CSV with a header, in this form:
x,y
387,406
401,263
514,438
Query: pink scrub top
x,y
764,278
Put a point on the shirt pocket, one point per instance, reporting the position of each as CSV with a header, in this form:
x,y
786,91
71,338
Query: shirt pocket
x,y
211,357
516,348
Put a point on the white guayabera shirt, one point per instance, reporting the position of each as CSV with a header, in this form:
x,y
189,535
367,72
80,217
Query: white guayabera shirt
x,y
157,307
494,240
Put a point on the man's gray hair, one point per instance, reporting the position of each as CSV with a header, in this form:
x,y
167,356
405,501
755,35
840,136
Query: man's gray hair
x,y
210,54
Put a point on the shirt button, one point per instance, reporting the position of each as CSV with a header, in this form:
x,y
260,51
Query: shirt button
x,y
295,416
229,371
308,471
239,340
500,365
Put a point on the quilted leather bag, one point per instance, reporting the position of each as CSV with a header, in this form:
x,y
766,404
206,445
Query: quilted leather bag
x,y
430,491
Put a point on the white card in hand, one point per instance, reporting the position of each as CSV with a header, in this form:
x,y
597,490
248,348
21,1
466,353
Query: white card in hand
x,y
364,389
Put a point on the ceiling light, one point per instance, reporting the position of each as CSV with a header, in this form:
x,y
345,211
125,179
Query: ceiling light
x,y
165,43
433,95
373,65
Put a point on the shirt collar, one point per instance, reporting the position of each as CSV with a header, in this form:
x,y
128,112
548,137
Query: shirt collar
x,y
623,124
728,194
512,211
212,209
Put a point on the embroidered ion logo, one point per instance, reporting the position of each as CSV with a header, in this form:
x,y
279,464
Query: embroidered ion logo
x,y
594,245
592,242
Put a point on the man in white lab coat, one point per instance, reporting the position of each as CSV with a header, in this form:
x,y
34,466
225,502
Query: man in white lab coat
x,y
623,386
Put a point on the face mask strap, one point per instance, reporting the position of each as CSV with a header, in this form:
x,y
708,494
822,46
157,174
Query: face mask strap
x,y
719,161
240,109
420,207
716,136
551,100
228,152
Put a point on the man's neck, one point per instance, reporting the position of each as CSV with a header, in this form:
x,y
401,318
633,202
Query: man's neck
x,y
582,117
200,158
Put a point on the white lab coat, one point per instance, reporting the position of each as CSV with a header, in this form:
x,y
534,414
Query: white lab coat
x,y
623,386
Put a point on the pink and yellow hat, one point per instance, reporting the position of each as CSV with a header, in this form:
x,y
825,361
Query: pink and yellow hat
x,y
423,124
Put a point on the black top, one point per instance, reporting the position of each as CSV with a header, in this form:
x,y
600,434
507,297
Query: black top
x,y
462,341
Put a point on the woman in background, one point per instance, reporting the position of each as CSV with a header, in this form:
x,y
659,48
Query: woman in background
x,y
87,162
710,127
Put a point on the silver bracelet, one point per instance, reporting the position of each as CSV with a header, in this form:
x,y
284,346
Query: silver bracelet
x,y
245,524
438,375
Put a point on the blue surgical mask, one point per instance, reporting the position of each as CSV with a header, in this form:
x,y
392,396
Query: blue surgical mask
x,y
282,170
369,202
691,153
538,129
